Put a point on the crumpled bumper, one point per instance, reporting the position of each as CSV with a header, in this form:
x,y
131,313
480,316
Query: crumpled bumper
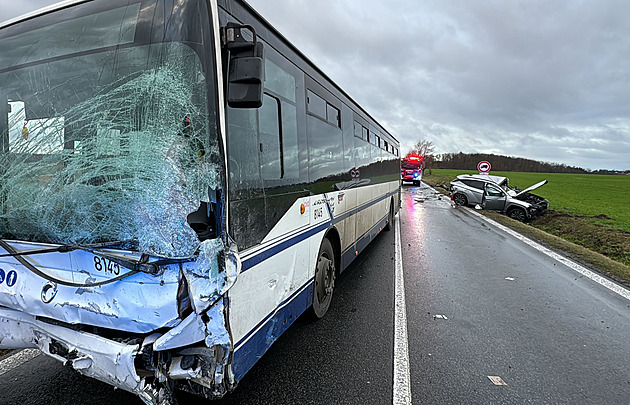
x,y
197,350
106,360
192,354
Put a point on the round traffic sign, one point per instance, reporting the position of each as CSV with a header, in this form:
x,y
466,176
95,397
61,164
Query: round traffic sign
x,y
484,167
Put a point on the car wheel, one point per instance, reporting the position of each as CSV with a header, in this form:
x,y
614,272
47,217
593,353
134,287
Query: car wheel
x,y
460,199
517,214
324,280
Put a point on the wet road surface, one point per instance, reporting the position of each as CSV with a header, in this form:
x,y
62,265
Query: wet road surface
x,y
479,303
551,335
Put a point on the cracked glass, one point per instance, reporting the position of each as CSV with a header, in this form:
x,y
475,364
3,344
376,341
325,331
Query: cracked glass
x,y
102,143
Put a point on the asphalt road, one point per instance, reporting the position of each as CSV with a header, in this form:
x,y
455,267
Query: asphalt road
x,y
552,336
479,303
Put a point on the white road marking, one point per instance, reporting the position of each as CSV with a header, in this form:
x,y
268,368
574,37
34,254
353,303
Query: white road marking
x,y
18,359
612,286
402,380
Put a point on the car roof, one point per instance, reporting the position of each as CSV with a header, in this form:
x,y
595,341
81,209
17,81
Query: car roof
x,y
484,177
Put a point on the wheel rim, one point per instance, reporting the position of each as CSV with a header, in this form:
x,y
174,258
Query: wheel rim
x,y
459,199
325,280
517,214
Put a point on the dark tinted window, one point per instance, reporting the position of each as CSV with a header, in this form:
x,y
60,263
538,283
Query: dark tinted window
x,y
358,128
316,105
243,149
270,156
332,115
325,149
474,183
290,141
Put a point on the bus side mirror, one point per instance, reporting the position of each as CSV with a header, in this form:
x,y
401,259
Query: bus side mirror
x,y
246,72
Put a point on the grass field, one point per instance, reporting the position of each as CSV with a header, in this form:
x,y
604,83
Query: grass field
x,y
602,199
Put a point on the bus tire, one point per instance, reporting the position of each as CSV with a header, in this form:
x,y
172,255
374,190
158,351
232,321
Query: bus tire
x,y
325,272
390,216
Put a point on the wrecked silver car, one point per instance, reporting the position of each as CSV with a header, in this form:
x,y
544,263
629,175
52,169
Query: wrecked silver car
x,y
493,193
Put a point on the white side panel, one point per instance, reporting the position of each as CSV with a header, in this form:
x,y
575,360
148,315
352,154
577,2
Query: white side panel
x,y
364,217
296,218
348,236
259,290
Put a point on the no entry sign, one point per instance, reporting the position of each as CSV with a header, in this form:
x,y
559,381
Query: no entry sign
x,y
484,167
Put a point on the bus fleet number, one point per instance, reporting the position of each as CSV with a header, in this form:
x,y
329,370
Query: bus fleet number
x,y
106,266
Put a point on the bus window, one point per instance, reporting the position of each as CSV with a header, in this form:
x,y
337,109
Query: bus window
x,y
325,149
332,115
281,86
269,133
290,141
243,149
315,104
279,81
357,129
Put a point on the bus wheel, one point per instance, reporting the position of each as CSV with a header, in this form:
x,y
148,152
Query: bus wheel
x,y
390,216
324,280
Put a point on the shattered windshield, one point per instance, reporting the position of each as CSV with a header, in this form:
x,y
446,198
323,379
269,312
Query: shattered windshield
x,y
103,138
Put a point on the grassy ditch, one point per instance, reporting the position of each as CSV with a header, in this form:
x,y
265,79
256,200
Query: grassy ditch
x,y
596,237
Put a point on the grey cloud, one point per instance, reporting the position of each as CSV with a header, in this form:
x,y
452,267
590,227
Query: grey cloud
x,y
545,80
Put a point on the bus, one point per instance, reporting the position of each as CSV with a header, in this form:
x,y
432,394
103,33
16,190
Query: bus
x,y
178,184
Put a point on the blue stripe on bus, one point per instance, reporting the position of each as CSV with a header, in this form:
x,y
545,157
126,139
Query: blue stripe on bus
x,y
274,250
280,247
260,338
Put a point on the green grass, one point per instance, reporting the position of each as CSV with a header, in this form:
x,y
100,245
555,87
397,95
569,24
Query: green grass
x,y
603,199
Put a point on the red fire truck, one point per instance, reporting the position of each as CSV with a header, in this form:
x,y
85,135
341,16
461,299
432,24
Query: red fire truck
x,y
411,168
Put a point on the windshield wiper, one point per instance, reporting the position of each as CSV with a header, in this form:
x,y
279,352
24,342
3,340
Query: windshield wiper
x,y
64,248
142,264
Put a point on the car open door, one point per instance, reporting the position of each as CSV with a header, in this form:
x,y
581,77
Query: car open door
x,y
493,199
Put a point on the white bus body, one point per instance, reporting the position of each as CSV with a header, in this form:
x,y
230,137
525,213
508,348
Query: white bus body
x,y
178,184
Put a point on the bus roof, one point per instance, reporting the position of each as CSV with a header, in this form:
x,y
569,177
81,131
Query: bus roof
x,y
288,43
41,11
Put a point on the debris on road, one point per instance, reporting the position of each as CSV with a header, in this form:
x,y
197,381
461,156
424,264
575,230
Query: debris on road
x,y
496,380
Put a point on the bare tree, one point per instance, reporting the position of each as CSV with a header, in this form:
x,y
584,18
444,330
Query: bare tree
x,y
424,149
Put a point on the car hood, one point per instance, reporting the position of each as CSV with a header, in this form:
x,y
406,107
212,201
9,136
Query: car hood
x,y
530,188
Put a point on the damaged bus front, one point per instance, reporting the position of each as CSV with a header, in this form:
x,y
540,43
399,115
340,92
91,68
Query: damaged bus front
x,y
113,252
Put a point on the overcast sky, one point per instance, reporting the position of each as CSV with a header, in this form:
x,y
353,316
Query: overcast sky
x,y
540,79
